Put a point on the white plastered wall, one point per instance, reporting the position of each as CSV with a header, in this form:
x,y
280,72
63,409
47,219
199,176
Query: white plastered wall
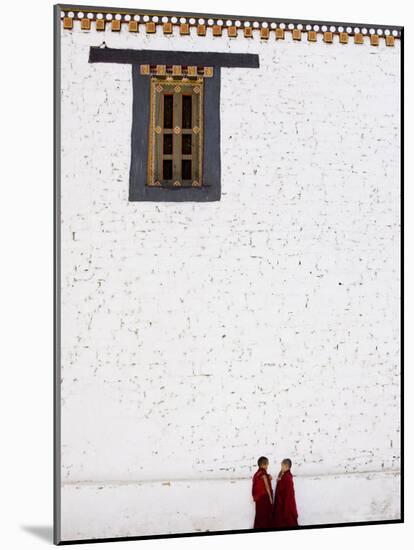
x,y
198,336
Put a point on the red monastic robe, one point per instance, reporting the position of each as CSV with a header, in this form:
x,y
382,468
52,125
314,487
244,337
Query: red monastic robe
x,y
262,496
285,512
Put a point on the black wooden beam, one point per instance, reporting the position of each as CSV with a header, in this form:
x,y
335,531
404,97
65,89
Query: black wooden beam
x,y
171,57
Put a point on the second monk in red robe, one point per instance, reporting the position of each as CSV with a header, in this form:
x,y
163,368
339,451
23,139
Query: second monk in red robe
x,y
285,512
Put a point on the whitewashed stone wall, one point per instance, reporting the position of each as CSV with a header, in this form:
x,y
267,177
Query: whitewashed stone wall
x,y
198,336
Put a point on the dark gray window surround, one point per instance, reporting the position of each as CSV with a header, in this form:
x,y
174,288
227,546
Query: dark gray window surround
x,y
211,189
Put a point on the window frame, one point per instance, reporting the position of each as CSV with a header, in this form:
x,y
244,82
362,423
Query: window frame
x,y
178,88
210,190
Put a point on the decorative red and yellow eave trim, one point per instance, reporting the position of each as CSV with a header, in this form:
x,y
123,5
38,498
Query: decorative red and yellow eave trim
x,y
100,19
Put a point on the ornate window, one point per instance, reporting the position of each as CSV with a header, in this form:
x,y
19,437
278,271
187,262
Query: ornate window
x,y
175,136
175,152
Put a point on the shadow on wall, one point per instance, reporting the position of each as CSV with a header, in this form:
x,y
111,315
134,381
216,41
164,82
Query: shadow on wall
x,y
44,532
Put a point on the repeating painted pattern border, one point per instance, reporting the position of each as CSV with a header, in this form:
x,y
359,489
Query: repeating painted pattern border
x,y
118,19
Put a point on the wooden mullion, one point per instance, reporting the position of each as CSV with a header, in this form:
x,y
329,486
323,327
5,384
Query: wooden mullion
x,y
177,123
158,137
196,139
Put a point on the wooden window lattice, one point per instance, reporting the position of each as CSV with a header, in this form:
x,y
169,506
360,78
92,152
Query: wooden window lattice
x,y
176,132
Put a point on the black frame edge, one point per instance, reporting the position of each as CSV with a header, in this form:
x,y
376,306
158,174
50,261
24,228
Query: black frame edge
x,y
402,265
232,532
56,275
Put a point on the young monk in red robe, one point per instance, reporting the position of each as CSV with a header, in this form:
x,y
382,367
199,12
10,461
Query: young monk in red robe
x,y
285,512
262,495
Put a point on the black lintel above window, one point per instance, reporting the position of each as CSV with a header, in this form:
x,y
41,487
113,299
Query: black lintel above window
x,y
170,57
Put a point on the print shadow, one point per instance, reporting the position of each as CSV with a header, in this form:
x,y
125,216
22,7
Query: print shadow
x,y
44,532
